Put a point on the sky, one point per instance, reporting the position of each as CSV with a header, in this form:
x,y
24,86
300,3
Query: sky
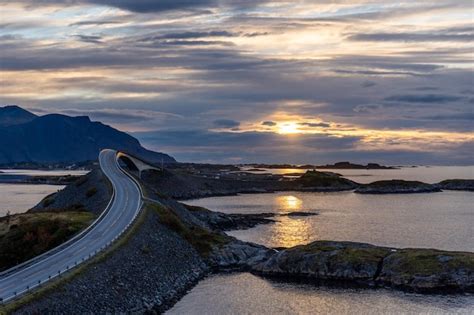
x,y
252,80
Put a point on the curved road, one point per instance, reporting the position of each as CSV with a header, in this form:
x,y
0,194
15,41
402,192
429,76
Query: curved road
x,y
120,213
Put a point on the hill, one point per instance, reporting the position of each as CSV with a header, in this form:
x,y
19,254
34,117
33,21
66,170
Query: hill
x,y
14,115
58,138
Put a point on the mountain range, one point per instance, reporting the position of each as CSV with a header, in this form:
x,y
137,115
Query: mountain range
x,y
55,138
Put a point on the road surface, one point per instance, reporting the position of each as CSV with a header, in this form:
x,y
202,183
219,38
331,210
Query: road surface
x,y
119,214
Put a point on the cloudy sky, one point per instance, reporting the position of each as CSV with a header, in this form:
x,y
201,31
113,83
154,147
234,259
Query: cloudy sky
x,y
253,80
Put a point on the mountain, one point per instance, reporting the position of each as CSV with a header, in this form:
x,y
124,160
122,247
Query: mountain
x,y
58,138
14,115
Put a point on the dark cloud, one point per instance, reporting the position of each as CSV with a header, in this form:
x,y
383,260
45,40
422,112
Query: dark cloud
x,y
140,6
413,37
95,23
226,123
423,98
189,35
367,84
316,125
89,39
269,123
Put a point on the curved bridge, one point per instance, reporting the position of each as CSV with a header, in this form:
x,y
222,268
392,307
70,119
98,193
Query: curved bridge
x,y
120,213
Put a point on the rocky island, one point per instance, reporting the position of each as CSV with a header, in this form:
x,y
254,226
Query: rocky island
x,y
396,187
173,245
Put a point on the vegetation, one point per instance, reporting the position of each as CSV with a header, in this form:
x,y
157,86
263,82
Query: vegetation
x,y
91,192
48,200
201,239
81,180
322,179
396,183
357,254
426,262
25,236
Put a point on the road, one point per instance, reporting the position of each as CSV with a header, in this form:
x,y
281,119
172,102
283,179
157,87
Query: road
x,y
120,213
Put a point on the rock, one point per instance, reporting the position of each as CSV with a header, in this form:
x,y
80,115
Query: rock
x,y
396,186
429,270
457,184
419,270
322,181
326,260
299,214
238,255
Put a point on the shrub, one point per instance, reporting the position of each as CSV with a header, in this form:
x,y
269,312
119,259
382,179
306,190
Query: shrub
x,y
91,192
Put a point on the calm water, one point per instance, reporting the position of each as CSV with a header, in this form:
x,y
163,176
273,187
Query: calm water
x,y
427,174
18,198
440,220
248,294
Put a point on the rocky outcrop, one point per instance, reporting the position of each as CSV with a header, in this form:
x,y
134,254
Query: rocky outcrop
x,y
238,255
238,221
324,181
419,270
326,260
396,187
428,270
457,184
90,192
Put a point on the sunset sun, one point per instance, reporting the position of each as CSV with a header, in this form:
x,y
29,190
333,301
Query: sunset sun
x,y
288,128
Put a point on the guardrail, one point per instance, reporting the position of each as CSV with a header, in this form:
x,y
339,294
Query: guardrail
x,y
86,257
60,247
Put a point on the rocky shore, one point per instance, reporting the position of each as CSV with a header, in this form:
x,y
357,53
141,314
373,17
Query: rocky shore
x,y
457,184
174,245
396,187
417,270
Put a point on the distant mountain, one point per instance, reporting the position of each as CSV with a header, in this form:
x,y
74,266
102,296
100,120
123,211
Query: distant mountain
x,y
14,115
58,138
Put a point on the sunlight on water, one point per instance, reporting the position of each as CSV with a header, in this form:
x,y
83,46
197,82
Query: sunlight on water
x,y
289,203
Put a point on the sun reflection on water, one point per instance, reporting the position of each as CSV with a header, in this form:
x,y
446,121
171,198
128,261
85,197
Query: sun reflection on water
x,y
291,231
289,203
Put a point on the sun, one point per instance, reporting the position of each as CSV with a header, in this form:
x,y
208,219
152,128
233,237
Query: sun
x,y
288,128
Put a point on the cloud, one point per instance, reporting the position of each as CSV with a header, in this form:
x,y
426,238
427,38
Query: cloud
x,y
413,37
367,84
226,123
315,125
89,39
423,98
269,123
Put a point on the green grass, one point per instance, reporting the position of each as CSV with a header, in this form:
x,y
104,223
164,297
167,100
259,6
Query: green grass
x,y
58,283
425,262
25,236
352,254
201,239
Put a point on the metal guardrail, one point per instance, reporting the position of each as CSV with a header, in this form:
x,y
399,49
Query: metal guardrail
x,y
60,247
85,258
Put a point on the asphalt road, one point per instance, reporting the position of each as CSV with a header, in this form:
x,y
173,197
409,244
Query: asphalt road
x,y
118,216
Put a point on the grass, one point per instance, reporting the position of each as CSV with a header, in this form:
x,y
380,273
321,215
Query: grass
x,y
58,283
346,253
425,262
91,192
24,236
201,239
